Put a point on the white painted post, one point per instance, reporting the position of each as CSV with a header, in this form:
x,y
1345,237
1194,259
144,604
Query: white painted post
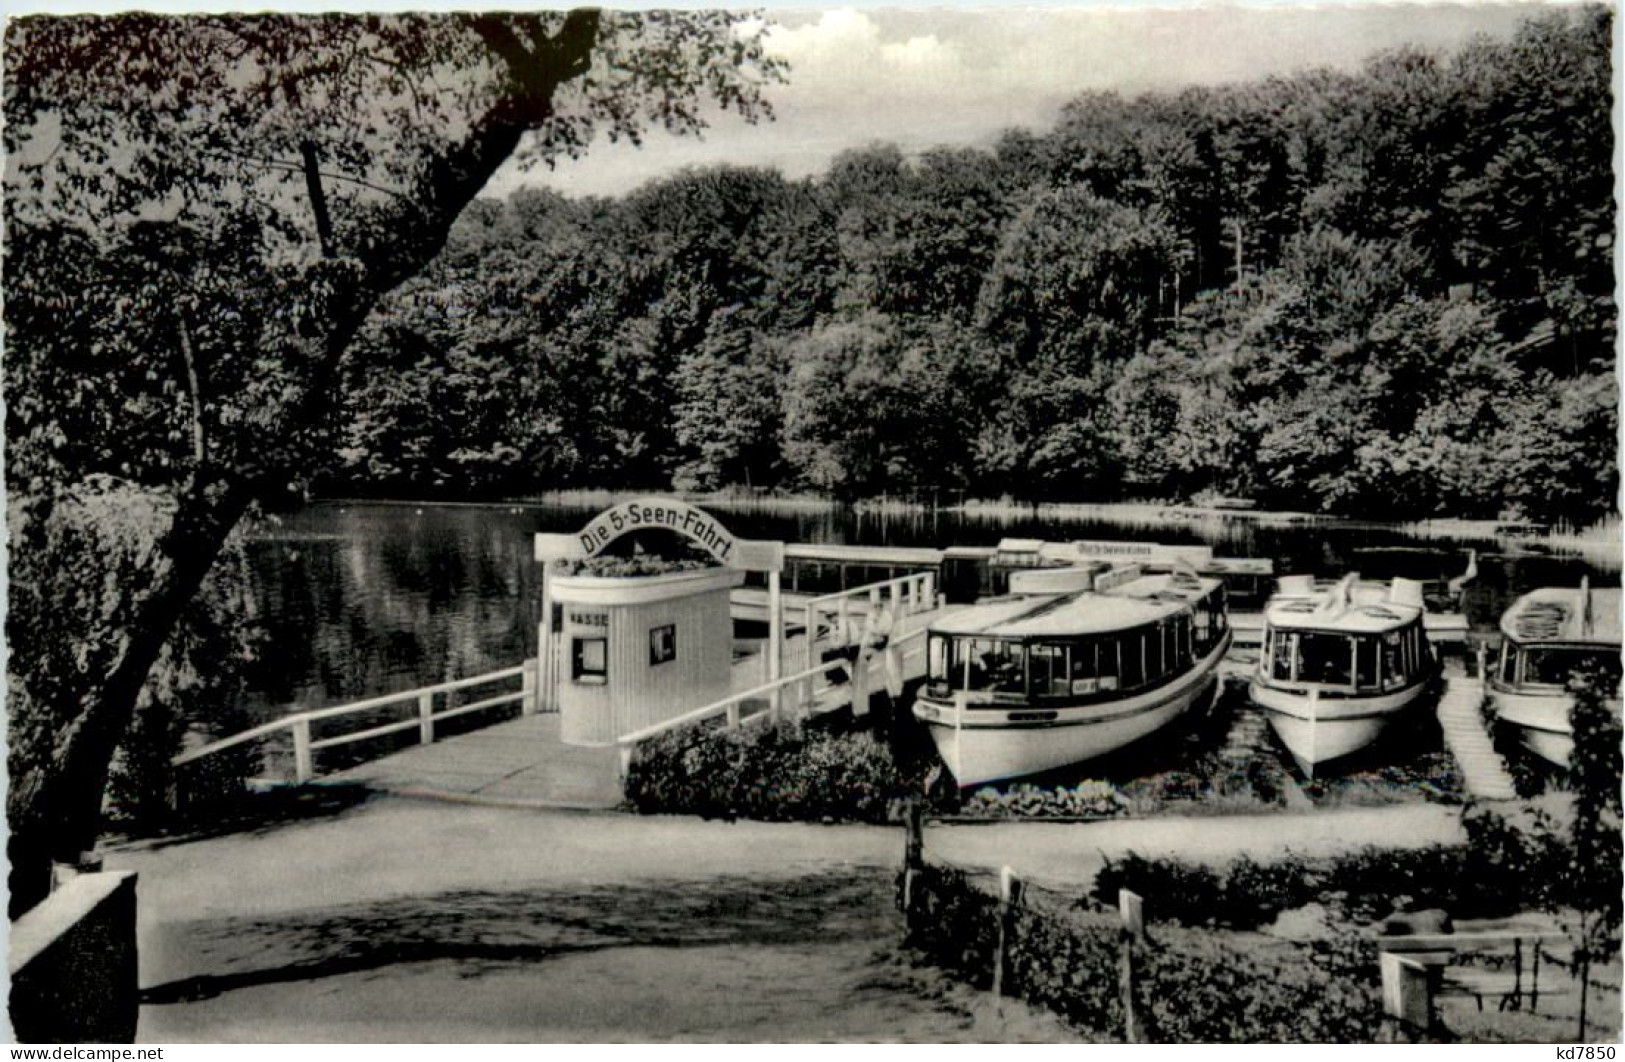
x,y
859,682
527,686
733,715
425,718
809,628
775,630
775,639
302,770
1407,995
544,646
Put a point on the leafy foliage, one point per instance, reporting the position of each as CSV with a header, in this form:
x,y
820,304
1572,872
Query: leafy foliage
x,y
200,213
787,771
1381,293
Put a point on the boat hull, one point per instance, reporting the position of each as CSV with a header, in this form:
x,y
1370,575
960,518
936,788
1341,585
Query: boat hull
x,y
1541,722
1320,730
984,745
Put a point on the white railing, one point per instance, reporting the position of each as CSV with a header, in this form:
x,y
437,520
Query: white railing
x,y
424,720
883,605
804,690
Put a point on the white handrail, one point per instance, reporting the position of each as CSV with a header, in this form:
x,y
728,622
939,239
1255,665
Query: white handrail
x,y
719,707
299,722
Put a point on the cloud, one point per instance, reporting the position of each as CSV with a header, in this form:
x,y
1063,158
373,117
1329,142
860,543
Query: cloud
x,y
922,77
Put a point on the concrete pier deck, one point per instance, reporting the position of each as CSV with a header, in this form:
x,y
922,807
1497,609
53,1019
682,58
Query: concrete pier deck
x,y
520,763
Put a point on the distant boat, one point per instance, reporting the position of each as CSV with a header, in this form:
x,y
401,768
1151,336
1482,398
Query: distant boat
x,y
1546,634
1340,663
1073,664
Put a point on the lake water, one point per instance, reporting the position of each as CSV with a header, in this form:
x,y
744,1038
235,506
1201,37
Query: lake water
x,y
361,599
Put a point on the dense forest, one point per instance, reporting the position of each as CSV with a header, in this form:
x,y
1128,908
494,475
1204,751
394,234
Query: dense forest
x,y
1384,292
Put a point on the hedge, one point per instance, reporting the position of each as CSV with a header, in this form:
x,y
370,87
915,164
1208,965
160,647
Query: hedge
x,y
1192,986
1501,870
788,771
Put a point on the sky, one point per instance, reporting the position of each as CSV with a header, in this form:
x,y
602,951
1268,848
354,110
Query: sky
x,y
920,78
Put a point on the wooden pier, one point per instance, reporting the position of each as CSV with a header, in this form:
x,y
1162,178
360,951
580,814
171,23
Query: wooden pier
x,y
850,647
1467,736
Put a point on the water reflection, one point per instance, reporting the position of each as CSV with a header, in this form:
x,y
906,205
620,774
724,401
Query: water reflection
x,y
367,599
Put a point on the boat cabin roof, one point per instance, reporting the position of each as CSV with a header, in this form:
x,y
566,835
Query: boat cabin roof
x,y
1136,603
1559,614
1350,607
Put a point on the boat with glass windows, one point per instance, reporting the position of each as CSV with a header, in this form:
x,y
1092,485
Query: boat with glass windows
x,y
1547,634
1340,662
1074,663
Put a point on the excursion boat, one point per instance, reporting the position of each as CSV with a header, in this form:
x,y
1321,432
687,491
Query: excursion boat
x,y
1340,663
1073,664
1546,634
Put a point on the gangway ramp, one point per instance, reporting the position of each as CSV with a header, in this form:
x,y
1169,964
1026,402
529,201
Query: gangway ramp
x,y
1467,737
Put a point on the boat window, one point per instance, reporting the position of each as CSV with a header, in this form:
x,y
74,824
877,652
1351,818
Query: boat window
x,y
1049,670
1325,658
1552,667
1131,658
1509,662
1109,661
1083,669
1365,662
1281,653
997,665
1155,644
1394,672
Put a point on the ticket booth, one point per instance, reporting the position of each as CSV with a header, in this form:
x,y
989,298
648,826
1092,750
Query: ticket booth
x,y
631,651
638,650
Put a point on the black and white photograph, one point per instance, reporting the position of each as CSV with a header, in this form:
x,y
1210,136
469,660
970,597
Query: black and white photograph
x,y
1089,523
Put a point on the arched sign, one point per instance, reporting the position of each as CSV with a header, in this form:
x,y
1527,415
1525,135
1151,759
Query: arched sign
x,y
665,514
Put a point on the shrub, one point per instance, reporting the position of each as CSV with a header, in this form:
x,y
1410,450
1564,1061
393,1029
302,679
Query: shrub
x,y
787,771
1191,985
1173,890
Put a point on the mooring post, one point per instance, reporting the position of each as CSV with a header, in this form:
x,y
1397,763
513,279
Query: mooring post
x,y
1131,910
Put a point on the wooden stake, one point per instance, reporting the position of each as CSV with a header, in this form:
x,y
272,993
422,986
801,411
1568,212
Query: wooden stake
x,y
1131,909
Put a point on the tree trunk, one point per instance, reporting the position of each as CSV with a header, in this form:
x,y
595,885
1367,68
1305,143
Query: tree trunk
x,y
55,814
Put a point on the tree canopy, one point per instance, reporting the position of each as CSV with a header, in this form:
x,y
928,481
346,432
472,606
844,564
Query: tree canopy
x,y
1385,292
201,211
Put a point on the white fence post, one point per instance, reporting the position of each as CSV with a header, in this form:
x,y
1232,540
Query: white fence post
x,y
425,718
302,770
527,686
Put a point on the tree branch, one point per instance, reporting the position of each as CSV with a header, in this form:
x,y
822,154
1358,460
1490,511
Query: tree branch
x,y
318,198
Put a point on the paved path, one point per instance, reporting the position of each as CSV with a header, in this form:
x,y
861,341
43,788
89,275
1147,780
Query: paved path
x,y
417,919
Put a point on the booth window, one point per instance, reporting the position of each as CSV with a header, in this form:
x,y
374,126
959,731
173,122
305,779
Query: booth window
x,y
589,660
662,643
